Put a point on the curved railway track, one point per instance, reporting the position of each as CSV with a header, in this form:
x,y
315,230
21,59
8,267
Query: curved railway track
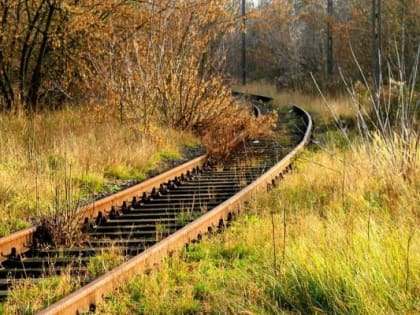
x,y
151,220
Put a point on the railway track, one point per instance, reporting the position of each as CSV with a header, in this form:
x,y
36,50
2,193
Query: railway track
x,y
161,215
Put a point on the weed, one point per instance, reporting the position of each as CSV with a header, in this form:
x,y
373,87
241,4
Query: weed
x,y
360,258
123,173
28,297
35,150
201,290
185,216
169,155
90,183
103,262
162,230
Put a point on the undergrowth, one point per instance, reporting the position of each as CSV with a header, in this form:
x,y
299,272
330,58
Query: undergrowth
x,y
102,153
345,242
29,297
338,236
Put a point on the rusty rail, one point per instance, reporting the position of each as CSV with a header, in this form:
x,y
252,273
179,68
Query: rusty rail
x,y
90,295
126,194
21,240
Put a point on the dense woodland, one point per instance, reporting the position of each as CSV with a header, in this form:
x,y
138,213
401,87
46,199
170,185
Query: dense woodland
x,y
173,56
288,40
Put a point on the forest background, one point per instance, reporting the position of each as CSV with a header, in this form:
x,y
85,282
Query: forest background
x,y
130,54
97,93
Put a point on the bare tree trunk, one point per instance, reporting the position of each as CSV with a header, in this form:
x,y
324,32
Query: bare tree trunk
x,y
376,47
36,76
28,45
403,8
5,85
243,66
330,61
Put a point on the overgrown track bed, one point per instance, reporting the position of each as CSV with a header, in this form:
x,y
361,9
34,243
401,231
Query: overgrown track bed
x,y
152,219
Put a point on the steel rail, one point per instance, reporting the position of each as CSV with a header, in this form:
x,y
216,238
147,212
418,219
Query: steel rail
x,y
21,240
87,297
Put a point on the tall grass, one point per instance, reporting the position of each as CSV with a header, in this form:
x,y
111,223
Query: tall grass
x,y
351,246
362,258
340,104
349,238
389,113
29,297
102,153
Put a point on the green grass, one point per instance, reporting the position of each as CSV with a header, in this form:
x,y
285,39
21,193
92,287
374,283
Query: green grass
x,y
348,244
123,172
29,297
90,183
166,155
336,261
38,154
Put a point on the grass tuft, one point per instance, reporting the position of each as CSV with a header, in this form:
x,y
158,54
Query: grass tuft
x,y
347,244
101,153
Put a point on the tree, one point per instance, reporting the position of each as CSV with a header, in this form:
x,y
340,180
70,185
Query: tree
x,y
330,62
44,44
376,44
286,40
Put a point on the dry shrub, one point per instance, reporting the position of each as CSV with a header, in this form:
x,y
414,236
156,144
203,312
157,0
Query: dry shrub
x,y
59,225
234,126
172,74
60,228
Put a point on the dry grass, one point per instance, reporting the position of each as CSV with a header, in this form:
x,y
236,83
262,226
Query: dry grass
x,y
340,105
29,297
351,246
348,244
96,153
